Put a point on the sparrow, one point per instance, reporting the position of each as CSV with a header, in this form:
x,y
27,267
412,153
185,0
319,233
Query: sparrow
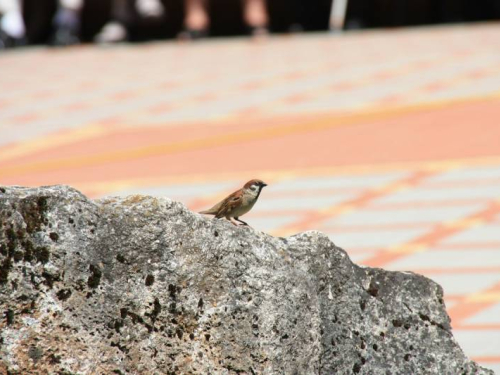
x,y
238,203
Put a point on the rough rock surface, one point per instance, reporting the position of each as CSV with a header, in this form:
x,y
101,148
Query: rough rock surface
x,y
141,285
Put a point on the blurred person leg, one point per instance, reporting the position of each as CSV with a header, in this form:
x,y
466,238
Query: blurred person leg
x,y
67,23
255,15
196,20
115,30
12,28
337,15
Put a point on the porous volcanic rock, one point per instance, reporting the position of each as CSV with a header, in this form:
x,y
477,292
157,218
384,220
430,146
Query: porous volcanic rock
x,y
141,285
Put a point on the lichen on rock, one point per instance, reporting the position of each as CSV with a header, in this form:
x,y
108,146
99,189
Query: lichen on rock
x,y
141,285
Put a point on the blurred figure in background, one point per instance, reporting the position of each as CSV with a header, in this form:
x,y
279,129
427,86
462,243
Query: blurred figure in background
x,y
197,22
12,29
66,23
116,29
68,18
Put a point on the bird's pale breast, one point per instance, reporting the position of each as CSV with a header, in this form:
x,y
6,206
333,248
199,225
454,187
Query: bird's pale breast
x,y
248,200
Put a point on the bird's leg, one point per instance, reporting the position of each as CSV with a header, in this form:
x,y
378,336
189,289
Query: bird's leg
x,y
241,221
231,220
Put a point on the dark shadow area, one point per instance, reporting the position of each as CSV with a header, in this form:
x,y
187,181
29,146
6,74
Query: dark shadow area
x,y
398,13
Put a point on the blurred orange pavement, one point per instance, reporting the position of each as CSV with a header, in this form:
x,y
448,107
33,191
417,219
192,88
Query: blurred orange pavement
x,y
395,135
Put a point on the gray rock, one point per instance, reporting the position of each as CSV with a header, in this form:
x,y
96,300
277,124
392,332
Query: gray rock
x,y
141,285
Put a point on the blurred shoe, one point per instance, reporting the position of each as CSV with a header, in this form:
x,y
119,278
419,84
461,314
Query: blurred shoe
x,y
67,28
259,31
63,37
6,41
190,34
112,32
295,28
12,31
12,24
150,8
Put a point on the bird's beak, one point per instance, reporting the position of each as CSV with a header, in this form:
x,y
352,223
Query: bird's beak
x,y
263,184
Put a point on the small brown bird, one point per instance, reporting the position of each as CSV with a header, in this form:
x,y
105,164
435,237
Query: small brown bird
x,y
238,203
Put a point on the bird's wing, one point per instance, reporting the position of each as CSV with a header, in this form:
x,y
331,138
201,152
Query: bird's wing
x,y
229,204
225,206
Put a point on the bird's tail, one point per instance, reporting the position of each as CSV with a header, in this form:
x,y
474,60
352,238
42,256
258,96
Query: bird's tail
x,y
207,212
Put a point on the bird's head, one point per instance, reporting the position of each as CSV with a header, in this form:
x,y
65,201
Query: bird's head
x,y
255,185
